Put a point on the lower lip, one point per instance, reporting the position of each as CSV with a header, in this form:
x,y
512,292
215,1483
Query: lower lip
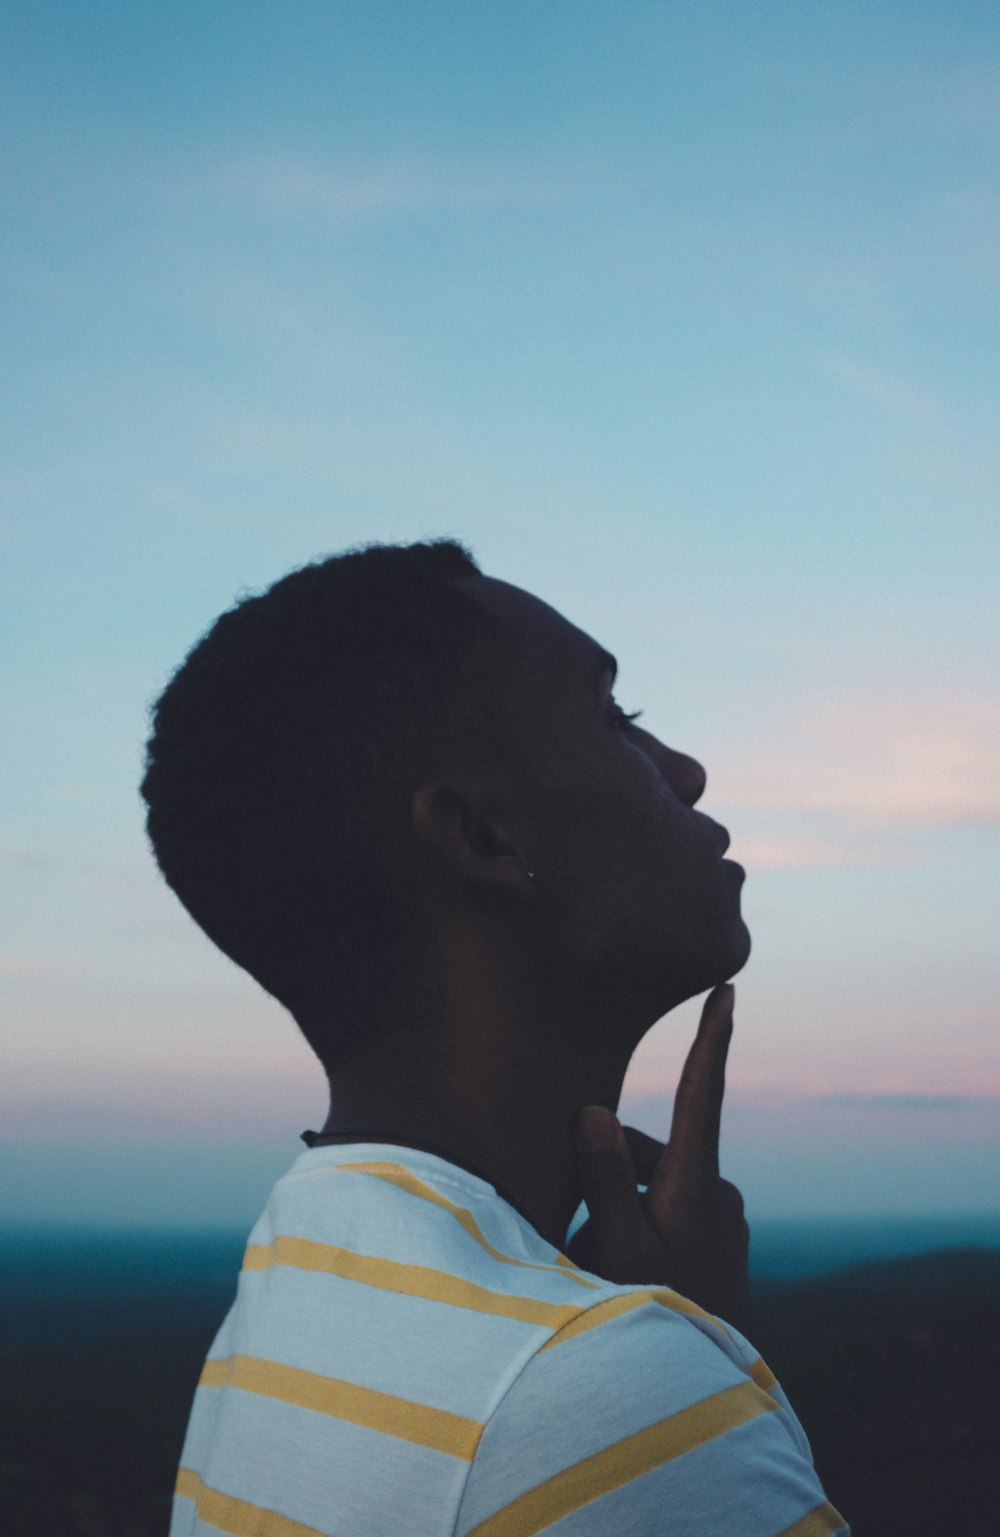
x,y
734,866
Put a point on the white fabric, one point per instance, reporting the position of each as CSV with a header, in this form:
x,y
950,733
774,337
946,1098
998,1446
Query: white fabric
x,y
406,1354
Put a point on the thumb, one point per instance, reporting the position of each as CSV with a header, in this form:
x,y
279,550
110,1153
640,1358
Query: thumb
x,y
608,1182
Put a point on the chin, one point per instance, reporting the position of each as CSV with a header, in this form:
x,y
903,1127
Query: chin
x,y
740,952
726,957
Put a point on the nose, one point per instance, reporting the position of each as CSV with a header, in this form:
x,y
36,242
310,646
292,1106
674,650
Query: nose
x,y
685,776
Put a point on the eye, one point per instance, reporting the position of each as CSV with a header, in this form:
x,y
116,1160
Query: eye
x,y
620,719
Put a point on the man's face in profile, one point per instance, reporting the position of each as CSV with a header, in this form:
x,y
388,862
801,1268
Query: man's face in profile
x,y
632,875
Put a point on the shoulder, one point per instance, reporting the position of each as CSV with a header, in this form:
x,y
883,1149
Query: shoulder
x,y
640,1405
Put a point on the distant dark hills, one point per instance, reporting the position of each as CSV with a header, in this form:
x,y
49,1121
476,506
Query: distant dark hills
x,y
892,1366
893,1369
102,1338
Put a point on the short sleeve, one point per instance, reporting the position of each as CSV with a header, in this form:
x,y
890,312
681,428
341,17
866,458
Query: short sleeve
x,y
638,1422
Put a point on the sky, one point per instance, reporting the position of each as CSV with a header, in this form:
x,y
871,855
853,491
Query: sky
x,y
684,317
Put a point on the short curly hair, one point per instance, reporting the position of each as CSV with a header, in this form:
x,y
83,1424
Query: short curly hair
x,y
283,755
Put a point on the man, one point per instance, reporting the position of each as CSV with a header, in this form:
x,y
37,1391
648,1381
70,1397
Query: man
x,y
402,795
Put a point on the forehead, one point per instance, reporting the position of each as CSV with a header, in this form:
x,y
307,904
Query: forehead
x,y
546,644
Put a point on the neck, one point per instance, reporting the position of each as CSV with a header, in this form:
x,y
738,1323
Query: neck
x,y
494,1079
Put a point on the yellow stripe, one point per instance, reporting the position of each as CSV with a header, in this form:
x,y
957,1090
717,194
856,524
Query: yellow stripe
x,y
763,1375
410,1280
818,1523
441,1286
396,1174
591,1318
237,1516
425,1426
619,1464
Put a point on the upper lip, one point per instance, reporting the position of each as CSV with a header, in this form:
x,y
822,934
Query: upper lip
x,y
721,833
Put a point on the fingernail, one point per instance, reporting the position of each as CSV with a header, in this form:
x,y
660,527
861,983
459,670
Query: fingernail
x,y
597,1128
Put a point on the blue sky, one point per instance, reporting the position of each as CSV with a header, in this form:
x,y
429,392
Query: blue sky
x,y
683,316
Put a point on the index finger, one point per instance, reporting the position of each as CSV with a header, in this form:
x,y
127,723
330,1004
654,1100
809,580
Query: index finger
x,y
694,1130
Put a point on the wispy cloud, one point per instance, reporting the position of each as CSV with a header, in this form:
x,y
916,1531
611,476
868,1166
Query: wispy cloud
x,y
807,853
263,1097
909,1102
34,968
948,96
883,388
933,760
645,1095
291,186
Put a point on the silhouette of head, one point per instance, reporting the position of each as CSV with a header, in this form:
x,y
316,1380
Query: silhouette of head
x,y
292,746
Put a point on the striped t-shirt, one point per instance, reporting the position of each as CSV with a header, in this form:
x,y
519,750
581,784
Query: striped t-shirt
x,y
406,1354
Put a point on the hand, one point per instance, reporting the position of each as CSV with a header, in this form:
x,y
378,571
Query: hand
x,y
687,1231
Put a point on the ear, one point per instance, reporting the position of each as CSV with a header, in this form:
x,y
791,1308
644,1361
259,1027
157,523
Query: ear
x,y
459,825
